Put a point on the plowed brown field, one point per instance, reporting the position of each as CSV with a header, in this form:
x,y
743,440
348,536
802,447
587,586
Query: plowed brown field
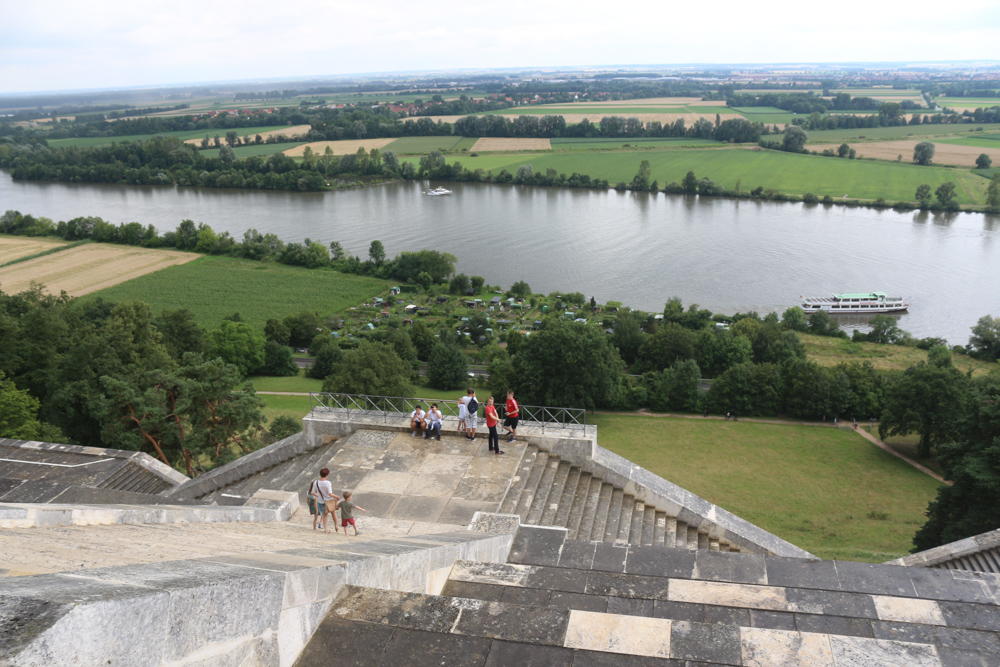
x,y
963,156
345,147
501,144
88,268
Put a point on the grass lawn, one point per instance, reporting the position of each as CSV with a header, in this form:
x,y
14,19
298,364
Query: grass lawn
x,y
784,172
827,351
826,490
295,407
291,383
214,287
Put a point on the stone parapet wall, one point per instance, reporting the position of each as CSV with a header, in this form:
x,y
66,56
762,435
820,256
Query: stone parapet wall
x,y
255,608
243,467
264,506
979,553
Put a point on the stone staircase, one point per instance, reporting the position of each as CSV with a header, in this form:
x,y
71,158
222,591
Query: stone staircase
x,y
547,491
293,474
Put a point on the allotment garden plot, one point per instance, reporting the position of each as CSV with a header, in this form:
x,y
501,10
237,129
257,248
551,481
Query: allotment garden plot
x,y
88,268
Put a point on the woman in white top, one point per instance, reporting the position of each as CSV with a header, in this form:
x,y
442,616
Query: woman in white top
x,y
320,496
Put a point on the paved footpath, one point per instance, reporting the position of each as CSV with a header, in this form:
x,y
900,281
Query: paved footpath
x,y
860,431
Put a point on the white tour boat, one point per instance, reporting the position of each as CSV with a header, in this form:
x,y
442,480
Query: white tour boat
x,y
867,302
437,192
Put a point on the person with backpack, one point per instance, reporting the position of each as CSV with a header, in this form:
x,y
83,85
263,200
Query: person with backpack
x,y
320,494
472,416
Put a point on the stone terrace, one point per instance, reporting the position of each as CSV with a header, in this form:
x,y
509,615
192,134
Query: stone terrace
x,y
568,602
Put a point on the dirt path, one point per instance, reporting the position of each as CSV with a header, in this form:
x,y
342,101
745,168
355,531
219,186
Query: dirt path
x,y
860,431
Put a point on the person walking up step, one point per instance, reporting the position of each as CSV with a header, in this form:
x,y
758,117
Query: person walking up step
x,y
320,496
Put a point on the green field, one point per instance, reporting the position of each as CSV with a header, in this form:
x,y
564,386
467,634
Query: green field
x,y
784,172
263,150
183,135
830,351
977,140
608,143
214,287
899,132
826,490
422,145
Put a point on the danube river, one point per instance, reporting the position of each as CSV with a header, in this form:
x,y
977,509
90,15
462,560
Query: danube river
x,y
725,255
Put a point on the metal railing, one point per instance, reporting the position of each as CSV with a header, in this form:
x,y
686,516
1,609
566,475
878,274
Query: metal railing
x,y
398,407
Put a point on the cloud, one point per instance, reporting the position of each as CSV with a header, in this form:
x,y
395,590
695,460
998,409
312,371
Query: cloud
x,y
60,45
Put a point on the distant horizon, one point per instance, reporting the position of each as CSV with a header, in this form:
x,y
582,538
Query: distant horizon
x,y
66,46
775,67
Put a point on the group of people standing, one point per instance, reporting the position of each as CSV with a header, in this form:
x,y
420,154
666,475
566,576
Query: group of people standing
x,y
429,422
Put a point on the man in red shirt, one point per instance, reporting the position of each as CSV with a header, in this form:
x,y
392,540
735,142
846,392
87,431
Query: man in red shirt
x,y
492,419
510,423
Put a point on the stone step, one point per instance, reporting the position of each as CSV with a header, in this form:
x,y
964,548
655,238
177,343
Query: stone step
x,y
670,531
614,516
534,515
580,498
625,519
518,482
527,498
649,525
551,505
635,528
659,527
603,511
561,517
589,509
682,534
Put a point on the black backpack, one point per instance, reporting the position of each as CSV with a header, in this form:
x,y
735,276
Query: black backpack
x,y
473,406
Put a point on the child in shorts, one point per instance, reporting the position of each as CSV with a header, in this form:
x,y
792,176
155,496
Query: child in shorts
x,y
347,508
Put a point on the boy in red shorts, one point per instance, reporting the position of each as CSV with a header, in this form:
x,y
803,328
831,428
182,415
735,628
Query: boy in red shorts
x,y
347,508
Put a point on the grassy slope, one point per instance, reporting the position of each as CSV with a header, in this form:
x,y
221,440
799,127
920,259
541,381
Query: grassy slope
x,y
785,172
827,351
213,287
812,486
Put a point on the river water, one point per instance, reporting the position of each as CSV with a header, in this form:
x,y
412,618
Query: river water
x,y
725,255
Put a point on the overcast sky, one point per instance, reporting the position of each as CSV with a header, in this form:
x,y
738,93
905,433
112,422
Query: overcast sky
x,y
55,45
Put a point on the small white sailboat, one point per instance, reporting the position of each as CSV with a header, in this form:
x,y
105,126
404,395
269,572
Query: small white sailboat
x,y
437,192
